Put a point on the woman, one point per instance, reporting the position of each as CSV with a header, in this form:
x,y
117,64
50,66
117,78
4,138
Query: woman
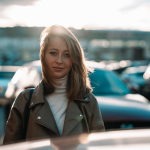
x,y
62,104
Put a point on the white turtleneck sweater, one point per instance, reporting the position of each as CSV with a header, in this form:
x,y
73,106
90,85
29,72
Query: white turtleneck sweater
x,y
58,103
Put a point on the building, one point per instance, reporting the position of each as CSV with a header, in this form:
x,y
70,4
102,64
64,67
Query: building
x,y
21,44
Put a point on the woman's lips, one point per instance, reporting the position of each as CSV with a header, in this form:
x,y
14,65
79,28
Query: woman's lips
x,y
57,69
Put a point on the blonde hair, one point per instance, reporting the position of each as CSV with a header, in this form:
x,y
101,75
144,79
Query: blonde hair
x,y
78,84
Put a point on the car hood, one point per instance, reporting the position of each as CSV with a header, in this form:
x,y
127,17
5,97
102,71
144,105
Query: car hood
x,y
123,108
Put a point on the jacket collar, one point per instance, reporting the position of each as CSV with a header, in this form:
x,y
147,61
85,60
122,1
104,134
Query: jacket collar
x,y
38,96
86,99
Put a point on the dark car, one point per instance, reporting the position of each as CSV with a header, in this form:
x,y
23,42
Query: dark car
x,y
134,78
146,87
119,107
134,75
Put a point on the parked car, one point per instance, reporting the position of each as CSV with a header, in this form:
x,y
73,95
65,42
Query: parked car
x,y
111,140
6,74
134,75
146,87
119,107
27,76
120,66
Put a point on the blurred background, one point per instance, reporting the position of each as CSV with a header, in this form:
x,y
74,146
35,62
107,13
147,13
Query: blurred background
x,y
113,33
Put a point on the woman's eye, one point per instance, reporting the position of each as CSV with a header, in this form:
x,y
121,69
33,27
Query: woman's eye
x,y
67,55
53,53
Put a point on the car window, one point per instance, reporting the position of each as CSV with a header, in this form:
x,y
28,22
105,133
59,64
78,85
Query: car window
x,y
140,73
6,74
133,74
106,82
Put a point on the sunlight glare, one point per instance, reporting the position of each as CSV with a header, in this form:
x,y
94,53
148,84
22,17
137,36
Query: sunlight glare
x,y
95,14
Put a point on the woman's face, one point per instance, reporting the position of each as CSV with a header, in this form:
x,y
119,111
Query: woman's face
x,y
57,58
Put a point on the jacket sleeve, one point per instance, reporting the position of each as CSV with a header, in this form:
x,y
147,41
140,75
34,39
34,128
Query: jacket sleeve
x,y
15,122
97,124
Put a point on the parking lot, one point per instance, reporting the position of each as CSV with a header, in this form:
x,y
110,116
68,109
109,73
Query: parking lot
x,y
121,108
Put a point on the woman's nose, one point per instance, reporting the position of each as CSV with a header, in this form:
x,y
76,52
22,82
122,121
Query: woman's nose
x,y
59,59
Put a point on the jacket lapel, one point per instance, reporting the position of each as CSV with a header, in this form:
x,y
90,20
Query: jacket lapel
x,y
44,116
73,117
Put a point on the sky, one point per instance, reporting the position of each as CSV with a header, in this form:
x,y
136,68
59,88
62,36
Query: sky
x,y
87,14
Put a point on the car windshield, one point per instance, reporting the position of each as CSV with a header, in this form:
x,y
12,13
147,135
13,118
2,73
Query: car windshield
x,y
6,75
107,82
137,74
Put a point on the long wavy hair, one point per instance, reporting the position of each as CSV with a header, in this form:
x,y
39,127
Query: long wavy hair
x,y
78,84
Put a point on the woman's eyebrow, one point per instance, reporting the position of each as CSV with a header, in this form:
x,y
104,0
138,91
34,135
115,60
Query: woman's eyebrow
x,y
53,49
66,50
57,49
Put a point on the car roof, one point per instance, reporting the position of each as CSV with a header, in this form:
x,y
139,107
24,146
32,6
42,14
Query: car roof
x,y
135,69
9,68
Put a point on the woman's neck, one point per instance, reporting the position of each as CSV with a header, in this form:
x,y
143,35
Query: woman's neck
x,y
61,84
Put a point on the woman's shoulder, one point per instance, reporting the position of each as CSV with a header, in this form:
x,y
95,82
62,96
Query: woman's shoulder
x,y
22,98
24,94
91,97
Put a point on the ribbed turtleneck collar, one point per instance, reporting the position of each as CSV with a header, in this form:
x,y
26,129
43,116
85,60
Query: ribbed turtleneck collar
x,y
61,87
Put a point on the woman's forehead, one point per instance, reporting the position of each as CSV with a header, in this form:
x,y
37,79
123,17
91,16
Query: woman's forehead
x,y
57,43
